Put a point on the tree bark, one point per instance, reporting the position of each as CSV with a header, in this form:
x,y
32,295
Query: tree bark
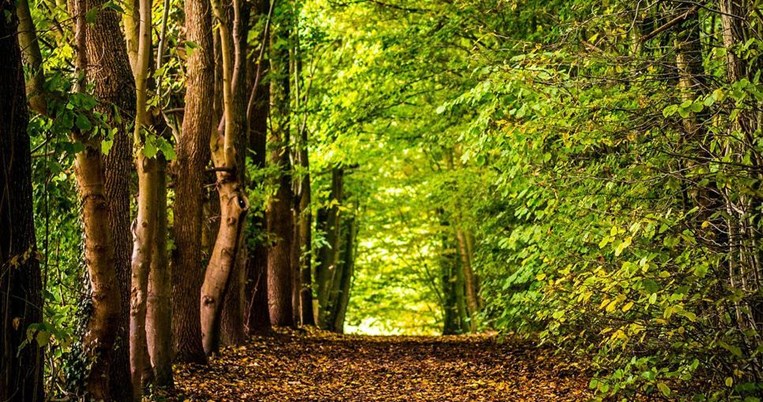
x,y
21,368
472,300
349,248
104,190
192,152
233,201
159,300
233,325
114,85
329,221
145,223
279,210
257,312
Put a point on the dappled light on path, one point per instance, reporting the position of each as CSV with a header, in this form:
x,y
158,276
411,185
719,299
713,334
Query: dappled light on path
x,y
327,367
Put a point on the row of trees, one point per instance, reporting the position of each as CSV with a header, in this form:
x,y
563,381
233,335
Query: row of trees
x,y
189,144
601,158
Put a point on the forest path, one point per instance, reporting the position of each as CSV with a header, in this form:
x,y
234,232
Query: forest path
x,y
326,367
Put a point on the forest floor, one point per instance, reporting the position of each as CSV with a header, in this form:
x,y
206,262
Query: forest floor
x,y
316,366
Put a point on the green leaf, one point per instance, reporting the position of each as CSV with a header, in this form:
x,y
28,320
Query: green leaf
x,y
106,146
91,15
42,338
670,110
83,123
663,388
149,149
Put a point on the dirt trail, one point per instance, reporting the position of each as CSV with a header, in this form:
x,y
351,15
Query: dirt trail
x,y
324,367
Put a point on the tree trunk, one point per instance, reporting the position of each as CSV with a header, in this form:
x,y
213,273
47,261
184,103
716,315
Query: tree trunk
x,y
109,72
20,285
279,210
159,301
329,222
104,192
192,153
305,237
233,327
453,318
233,201
349,248
145,223
472,300
257,312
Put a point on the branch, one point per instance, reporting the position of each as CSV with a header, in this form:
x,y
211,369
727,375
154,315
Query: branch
x,y
675,21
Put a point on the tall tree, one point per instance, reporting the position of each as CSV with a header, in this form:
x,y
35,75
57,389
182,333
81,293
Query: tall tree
x,y
233,325
257,312
192,152
280,222
329,222
103,58
303,235
233,200
159,298
144,229
21,365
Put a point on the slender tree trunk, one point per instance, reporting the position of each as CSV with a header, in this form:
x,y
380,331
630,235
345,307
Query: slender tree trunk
x,y
349,248
233,201
296,273
305,237
233,327
453,323
32,56
304,218
20,284
257,312
159,301
192,152
329,222
145,224
279,210
472,300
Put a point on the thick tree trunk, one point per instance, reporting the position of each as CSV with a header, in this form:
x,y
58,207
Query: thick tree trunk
x,y
107,69
192,157
280,226
20,285
114,85
279,210
118,164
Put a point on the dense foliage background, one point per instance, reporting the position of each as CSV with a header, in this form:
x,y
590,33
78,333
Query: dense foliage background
x,y
595,165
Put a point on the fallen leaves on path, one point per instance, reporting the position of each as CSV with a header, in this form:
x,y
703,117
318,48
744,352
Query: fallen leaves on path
x,y
296,366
